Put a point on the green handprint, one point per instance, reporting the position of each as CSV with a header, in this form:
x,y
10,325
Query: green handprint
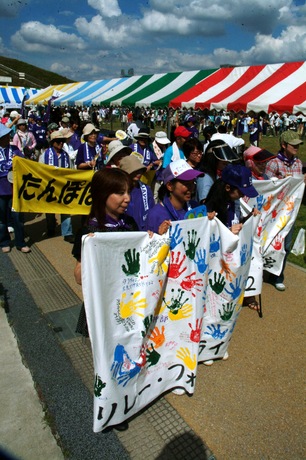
x,y
99,385
132,261
219,283
152,356
228,311
192,244
147,323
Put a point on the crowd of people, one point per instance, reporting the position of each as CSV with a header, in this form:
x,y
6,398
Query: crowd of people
x,y
145,182
153,163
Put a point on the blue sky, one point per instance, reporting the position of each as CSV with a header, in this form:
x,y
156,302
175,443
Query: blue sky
x,y
95,39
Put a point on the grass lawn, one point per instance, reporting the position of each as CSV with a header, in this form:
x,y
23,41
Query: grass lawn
x,y
271,144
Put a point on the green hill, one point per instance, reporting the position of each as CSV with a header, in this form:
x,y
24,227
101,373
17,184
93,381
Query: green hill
x,y
35,77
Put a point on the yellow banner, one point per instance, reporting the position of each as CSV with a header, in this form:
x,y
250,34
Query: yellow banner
x,y
48,189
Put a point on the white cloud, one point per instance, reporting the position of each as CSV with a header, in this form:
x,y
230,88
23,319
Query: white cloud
x,y
35,36
60,68
111,34
107,8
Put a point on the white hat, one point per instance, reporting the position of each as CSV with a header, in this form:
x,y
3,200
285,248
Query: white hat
x,y
115,147
161,138
180,170
89,128
14,114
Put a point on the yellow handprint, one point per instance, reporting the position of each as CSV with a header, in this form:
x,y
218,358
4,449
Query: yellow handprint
x,y
283,222
185,356
129,308
184,312
158,337
264,237
162,263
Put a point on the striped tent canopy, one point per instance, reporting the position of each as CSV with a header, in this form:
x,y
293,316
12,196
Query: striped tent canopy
x,y
11,96
42,97
279,87
84,95
151,90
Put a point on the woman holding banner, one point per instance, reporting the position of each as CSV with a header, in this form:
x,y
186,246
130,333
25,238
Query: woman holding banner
x,y
110,191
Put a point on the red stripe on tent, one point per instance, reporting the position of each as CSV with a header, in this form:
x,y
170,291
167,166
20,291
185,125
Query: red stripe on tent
x,y
245,78
283,72
296,97
201,87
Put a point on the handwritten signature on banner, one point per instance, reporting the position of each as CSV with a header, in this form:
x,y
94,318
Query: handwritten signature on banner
x,y
42,188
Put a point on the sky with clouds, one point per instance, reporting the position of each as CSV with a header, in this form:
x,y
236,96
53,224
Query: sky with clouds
x,y
95,39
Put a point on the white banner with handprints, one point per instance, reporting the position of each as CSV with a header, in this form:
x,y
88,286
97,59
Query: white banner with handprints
x,y
156,306
279,202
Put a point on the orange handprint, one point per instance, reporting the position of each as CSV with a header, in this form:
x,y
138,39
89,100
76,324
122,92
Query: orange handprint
x,y
158,337
267,205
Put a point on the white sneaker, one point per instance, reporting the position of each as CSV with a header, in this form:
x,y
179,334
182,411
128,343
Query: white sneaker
x,y
280,286
178,391
209,362
10,229
226,356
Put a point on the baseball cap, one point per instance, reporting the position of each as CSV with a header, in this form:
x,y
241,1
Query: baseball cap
x,y
180,170
290,137
14,114
257,154
65,120
240,177
115,147
181,131
161,138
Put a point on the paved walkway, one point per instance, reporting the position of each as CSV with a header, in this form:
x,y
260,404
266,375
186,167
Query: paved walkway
x,y
249,407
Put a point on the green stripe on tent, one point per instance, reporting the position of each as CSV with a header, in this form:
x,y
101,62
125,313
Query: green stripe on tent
x,y
193,81
150,89
134,86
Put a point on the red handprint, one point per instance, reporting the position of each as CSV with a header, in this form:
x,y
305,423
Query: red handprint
x,y
281,195
195,334
259,230
142,356
176,265
274,213
189,284
277,243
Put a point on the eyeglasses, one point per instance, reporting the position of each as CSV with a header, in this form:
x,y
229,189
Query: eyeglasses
x,y
196,152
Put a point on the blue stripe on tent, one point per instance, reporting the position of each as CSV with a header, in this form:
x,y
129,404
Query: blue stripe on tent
x,y
88,91
16,95
118,82
84,91
72,94
4,95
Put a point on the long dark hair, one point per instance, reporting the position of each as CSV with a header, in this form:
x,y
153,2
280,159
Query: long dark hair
x,y
104,183
217,200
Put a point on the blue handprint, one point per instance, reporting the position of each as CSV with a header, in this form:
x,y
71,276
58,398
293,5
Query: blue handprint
x,y
200,260
214,244
175,237
243,254
215,331
236,290
123,367
260,202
